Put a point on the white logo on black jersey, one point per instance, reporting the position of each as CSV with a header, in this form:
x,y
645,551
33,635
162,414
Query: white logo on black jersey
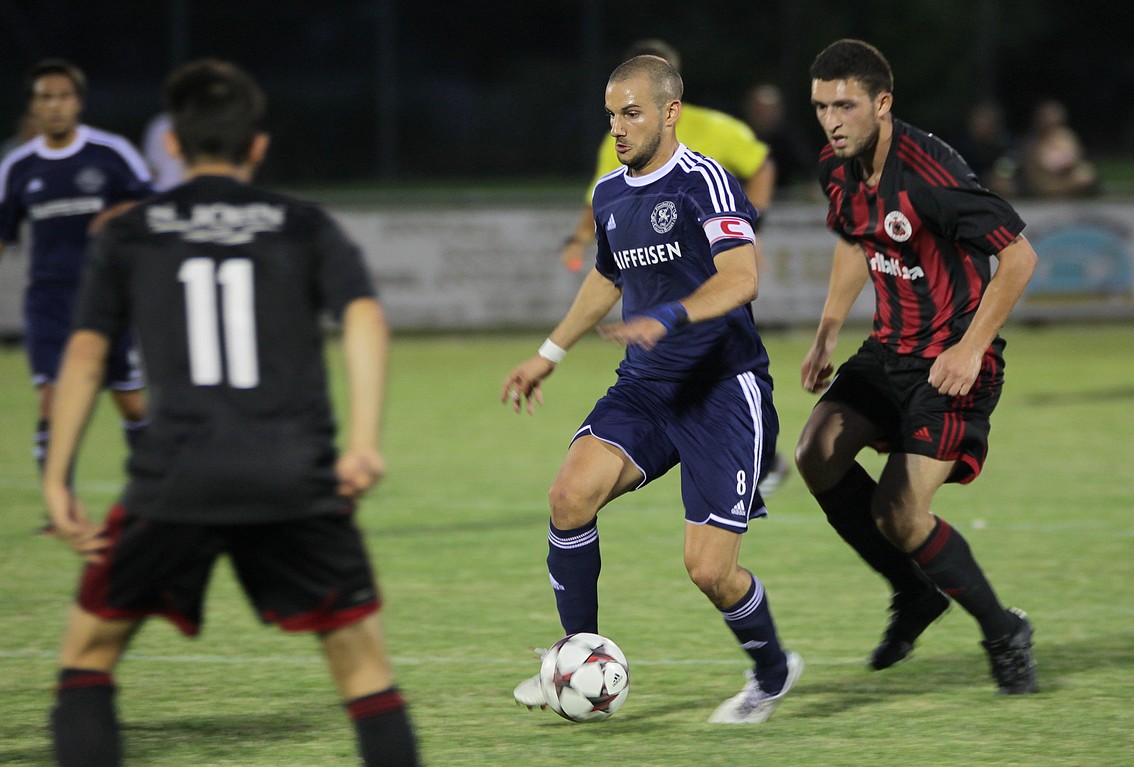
x,y
610,223
218,223
664,217
35,185
90,180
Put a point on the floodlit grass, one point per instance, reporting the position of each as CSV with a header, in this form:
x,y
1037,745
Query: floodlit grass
x,y
458,534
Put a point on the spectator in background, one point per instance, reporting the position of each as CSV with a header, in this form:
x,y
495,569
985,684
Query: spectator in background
x,y
1053,163
794,160
169,171
989,149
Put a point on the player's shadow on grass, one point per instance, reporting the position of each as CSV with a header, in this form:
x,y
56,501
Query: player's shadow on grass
x,y
818,696
231,735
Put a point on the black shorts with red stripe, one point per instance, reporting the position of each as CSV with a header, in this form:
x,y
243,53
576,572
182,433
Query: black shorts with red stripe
x,y
308,574
893,392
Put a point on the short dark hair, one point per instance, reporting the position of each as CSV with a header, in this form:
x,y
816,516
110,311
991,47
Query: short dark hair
x,y
854,60
56,67
216,108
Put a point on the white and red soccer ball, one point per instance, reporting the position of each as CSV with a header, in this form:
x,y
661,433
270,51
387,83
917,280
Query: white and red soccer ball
x,y
585,677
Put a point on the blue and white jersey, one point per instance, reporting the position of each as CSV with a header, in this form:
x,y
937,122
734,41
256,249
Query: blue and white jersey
x,y
60,190
657,237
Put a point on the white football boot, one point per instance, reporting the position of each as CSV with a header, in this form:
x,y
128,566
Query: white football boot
x,y
530,692
752,705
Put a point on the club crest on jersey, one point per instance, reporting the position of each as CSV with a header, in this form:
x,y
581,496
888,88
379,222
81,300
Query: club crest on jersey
x,y
898,226
664,217
90,180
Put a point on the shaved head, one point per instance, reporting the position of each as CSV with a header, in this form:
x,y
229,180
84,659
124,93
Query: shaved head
x,y
665,81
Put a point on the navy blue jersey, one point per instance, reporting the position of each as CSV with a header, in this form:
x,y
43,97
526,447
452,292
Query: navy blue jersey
x,y
657,237
60,190
928,229
226,287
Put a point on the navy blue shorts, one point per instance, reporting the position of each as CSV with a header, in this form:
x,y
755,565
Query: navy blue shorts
x,y
893,392
723,433
308,574
48,310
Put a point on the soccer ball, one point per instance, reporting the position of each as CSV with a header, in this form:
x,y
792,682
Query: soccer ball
x,y
585,677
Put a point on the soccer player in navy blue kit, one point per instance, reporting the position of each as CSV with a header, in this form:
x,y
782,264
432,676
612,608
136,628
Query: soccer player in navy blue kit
x,y
228,286
61,181
675,243
912,218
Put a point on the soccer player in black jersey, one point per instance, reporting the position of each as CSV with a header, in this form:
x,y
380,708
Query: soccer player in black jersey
x,y
912,218
226,285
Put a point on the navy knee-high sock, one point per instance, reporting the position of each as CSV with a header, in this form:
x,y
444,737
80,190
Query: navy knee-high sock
x,y
39,445
574,562
847,506
751,621
947,560
382,726
133,431
84,725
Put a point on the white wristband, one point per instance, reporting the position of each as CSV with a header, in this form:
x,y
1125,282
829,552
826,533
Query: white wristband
x,y
552,352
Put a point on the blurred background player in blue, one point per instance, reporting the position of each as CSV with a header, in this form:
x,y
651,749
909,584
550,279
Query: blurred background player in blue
x,y
912,219
62,181
676,245
227,286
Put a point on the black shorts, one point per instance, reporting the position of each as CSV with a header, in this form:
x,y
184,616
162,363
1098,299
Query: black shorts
x,y
893,392
309,574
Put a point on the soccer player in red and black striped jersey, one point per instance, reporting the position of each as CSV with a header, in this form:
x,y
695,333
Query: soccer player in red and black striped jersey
x,y
227,285
912,218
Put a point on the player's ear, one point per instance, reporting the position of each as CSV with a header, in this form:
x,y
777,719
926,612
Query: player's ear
x,y
259,149
883,103
672,112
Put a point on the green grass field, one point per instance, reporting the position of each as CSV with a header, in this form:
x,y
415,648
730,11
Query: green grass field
x,y
458,533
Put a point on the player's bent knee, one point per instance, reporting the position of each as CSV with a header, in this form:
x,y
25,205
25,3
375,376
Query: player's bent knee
x,y
572,506
710,578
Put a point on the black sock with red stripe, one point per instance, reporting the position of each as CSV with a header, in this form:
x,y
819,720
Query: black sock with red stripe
x,y
847,506
385,736
947,560
84,725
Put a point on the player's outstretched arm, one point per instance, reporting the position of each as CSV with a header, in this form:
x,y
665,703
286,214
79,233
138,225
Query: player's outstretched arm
x,y
366,340
78,384
596,297
956,368
848,277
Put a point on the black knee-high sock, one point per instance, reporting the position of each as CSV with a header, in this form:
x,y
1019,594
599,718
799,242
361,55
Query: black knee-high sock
x,y
574,562
947,560
751,621
84,726
382,725
847,506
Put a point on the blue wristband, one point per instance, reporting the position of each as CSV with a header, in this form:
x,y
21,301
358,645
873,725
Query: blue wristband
x,y
672,315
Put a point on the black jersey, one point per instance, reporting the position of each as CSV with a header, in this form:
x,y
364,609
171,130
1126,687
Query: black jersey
x,y
225,286
928,229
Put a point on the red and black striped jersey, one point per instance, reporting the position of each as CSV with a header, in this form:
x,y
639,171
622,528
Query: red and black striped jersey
x,y
928,229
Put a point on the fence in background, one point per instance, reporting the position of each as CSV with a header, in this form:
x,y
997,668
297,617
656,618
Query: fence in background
x,y
498,268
